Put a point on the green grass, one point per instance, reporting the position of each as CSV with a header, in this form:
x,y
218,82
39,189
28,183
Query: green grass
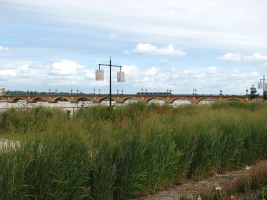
x,y
104,153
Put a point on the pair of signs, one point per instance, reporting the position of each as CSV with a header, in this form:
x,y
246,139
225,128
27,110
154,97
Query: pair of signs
x,y
99,76
260,86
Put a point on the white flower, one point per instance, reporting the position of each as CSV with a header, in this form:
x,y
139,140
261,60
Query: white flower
x,y
248,168
218,188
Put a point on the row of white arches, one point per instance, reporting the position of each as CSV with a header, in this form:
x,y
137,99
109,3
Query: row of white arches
x,y
176,101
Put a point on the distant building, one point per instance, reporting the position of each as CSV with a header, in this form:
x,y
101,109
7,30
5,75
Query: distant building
x,y
2,91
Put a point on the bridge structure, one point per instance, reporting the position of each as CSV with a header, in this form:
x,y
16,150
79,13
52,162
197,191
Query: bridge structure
x,y
120,99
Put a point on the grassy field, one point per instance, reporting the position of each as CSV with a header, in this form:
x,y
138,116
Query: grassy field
x,y
105,153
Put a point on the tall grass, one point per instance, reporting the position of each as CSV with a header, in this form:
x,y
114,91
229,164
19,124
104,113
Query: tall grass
x,y
104,153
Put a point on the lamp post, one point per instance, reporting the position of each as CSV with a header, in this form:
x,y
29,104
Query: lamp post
x,y
122,92
194,90
49,91
142,90
110,65
246,92
262,85
94,91
220,92
99,91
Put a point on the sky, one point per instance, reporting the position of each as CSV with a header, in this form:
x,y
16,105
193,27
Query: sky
x,y
207,45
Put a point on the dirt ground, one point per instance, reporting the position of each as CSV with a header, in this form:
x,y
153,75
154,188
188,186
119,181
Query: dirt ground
x,y
225,181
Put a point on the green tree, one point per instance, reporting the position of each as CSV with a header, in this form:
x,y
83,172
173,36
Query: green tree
x,y
265,94
253,92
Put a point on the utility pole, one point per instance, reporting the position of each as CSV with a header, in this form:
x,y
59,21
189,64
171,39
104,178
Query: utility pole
x,y
119,79
262,85
71,87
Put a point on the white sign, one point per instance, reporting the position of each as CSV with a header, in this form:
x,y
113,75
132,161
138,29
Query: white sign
x,y
260,85
99,75
120,76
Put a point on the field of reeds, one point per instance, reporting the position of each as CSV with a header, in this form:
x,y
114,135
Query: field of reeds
x,y
107,153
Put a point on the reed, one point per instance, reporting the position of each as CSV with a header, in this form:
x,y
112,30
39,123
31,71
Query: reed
x,y
105,153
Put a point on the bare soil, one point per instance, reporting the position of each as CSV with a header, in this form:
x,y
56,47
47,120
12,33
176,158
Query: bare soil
x,y
224,182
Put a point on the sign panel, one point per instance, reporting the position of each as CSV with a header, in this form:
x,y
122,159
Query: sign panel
x,y
120,76
260,85
99,75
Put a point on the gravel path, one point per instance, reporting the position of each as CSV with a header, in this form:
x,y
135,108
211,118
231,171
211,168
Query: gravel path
x,y
219,181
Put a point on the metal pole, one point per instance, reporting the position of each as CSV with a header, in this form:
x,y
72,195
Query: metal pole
x,y
110,65
110,82
263,85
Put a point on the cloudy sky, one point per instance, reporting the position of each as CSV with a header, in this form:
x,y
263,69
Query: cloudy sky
x,y
165,45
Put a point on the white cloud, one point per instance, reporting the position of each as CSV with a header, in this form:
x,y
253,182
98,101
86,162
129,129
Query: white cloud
x,y
151,72
208,80
4,48
65,68
163,61
211,70
22,71
255,74
264,65
90,75
132,73
255,57
24,67
148,49
7,73
235,57
191,23
113,35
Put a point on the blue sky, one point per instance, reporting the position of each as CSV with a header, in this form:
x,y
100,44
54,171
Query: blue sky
x,y
175,45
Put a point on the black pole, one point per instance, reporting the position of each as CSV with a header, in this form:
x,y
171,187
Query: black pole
x,y
110,82
110,65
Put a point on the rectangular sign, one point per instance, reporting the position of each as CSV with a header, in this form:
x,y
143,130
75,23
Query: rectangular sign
x,y
260,85
99,75
120,76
